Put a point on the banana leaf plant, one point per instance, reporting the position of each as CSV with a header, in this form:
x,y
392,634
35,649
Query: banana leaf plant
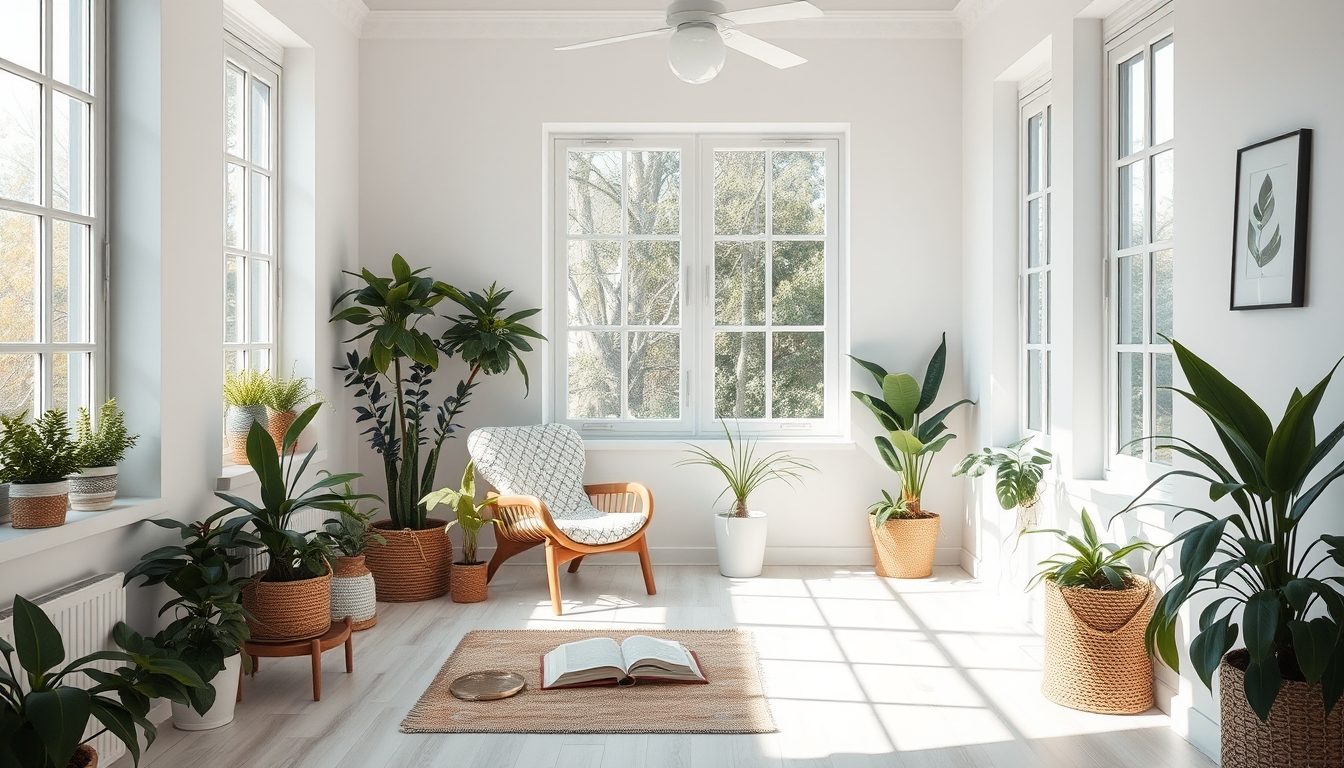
x,y
1252,561
912,439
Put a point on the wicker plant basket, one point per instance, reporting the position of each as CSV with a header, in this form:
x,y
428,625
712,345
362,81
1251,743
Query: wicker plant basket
x,y
903,547
278,423
283,611
38,505
93,489
85,757
1298,734
1095,659
237,423
412,565
353,593
469,585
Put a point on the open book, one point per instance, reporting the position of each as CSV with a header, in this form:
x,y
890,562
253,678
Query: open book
x,y
603,661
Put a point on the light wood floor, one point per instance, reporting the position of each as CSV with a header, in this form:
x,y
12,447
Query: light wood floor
x,y
860,671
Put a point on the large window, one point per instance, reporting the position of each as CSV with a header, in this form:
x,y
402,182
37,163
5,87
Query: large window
x,y
51,204
695,281
1142,238
1035,262
251,139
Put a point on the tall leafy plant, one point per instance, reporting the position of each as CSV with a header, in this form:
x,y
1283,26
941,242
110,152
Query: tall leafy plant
x,y
1253,560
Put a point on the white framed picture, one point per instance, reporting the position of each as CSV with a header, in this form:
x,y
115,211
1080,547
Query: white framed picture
x,y
1269,241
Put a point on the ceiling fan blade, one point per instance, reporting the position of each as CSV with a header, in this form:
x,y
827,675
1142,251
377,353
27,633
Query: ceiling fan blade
x,y
759,49
782,12
617,39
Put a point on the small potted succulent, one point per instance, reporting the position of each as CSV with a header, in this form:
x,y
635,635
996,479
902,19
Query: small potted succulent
x,y
353,591
1018,476
245,394
469,574
38,457
94,487
284,400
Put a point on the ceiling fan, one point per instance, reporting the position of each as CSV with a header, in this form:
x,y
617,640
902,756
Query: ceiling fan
x,y
702,28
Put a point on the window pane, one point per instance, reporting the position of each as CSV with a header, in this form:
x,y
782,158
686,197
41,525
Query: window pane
x,y
1036,385
653,196
1036,308
595,193
233,334
261,123
1164,91
1129,402
1036,231
259,300
260,218
594,375
1132,114
69,282
1163,294
233,111
798,189
21,42
655,282
1164,207
1162,405
739,193
69,382
1034,164
20,138
69,53
594,282
232,360
259,359
18,380
1131,205
739,375
70,148
1129,299
233,205
798,376
739,283
655,375
798,282
18,276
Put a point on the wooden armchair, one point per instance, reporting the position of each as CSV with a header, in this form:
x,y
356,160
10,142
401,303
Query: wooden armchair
x,y
538,474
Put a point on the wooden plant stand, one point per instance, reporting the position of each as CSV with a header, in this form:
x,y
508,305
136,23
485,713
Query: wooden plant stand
x,y
340,633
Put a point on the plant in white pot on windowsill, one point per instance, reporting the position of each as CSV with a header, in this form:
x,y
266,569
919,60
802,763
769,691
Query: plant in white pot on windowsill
x,y
38,457
245,394
94,487
740,533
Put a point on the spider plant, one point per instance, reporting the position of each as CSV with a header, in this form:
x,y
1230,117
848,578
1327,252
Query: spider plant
x,y
1093,564
745,471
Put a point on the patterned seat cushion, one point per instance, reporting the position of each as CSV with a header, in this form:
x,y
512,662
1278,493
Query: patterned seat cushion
x,y
547,461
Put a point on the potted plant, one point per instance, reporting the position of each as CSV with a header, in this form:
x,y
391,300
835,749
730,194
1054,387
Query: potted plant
x,y
291,599
740,532
1017,477
469,576
1257,564
284,398
43,718
94,487
1096,610
38,457
905,538
209,625
353,592
245,394
394,379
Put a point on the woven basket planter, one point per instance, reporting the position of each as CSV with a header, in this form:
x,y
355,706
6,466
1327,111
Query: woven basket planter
x,y
283,611
93,489
412,565
1095,659
237,423
353,593
1298,734
278,423
85,757
38,505
903,547
469,583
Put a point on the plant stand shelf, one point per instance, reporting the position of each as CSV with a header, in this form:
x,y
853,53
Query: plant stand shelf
x,y
340,633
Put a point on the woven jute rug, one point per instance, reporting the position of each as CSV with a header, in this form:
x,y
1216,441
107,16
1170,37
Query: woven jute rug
x,y
732,702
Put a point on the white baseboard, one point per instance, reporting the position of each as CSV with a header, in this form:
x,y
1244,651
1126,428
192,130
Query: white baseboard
x,y
969,563
161,712
855,556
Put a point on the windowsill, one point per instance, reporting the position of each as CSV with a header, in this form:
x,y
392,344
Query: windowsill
x,y
645,443
235,476
21,542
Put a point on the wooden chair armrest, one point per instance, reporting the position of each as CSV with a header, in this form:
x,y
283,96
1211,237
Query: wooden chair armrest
x,y
620,497
523,518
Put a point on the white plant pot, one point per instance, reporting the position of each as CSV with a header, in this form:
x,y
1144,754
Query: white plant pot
x,y
221,712
741,543
93,489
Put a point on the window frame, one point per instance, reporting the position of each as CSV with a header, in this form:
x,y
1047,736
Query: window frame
x,y
1036,101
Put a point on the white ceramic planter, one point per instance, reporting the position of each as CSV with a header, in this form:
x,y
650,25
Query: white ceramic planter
x,y
221,713
741,544
93,489
38,505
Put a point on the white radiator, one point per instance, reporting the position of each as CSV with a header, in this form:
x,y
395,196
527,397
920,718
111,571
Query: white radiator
x,y
85,613
303,521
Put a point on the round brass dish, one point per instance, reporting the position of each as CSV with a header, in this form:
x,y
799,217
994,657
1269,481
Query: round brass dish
x,y
487,686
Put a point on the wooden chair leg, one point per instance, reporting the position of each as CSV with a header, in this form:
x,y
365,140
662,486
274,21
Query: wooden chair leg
x,y
553,576
350,654
504,549
317,670
574,564
646,565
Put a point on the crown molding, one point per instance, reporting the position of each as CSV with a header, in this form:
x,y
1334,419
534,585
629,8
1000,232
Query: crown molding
x,y
971,12
351,13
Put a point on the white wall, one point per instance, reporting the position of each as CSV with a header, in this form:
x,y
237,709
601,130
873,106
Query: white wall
x,y
451,177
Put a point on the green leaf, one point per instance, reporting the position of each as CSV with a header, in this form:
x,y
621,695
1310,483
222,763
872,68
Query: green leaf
x,y
878,372
1209,647
1233,404
1200,545
1291,444
937,445
927,426
901,392
933,377
1261,617
905,442
1313,642
1262,686
118,722
36,639
888,453
885,416
59,716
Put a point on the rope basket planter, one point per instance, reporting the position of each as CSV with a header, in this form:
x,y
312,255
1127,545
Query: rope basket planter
x,y
1095,660
469,584
903,547
85,757
237,423
278,423
38,505
412,565
1298,734
283,611
353,593
93,489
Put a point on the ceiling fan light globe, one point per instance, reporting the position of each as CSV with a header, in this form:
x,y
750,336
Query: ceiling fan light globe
x,y
696,52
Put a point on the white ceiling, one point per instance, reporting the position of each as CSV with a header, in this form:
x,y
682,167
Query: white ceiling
x,y
641,5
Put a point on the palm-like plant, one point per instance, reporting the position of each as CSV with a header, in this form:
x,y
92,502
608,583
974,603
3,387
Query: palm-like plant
x,y
1093,564
1017,474
466,510
486,338
1253,557
744,471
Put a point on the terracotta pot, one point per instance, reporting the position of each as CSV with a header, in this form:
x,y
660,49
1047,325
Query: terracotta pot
x,y
38,505
469,582
278,423
904,547
412,565
1095,659
93,489
85,757
282,611
1297,735
237,423
353,593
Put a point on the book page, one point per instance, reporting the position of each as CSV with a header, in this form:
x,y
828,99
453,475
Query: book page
x,y
648,651
584,655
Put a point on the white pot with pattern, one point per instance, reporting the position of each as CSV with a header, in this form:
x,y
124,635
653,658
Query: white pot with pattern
x,y
93,489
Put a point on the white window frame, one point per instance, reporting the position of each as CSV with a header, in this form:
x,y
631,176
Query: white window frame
x,y
1035,102
94,385
697,239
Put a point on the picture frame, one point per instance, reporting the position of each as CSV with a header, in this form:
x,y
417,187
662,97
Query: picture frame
x,y
1269,237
